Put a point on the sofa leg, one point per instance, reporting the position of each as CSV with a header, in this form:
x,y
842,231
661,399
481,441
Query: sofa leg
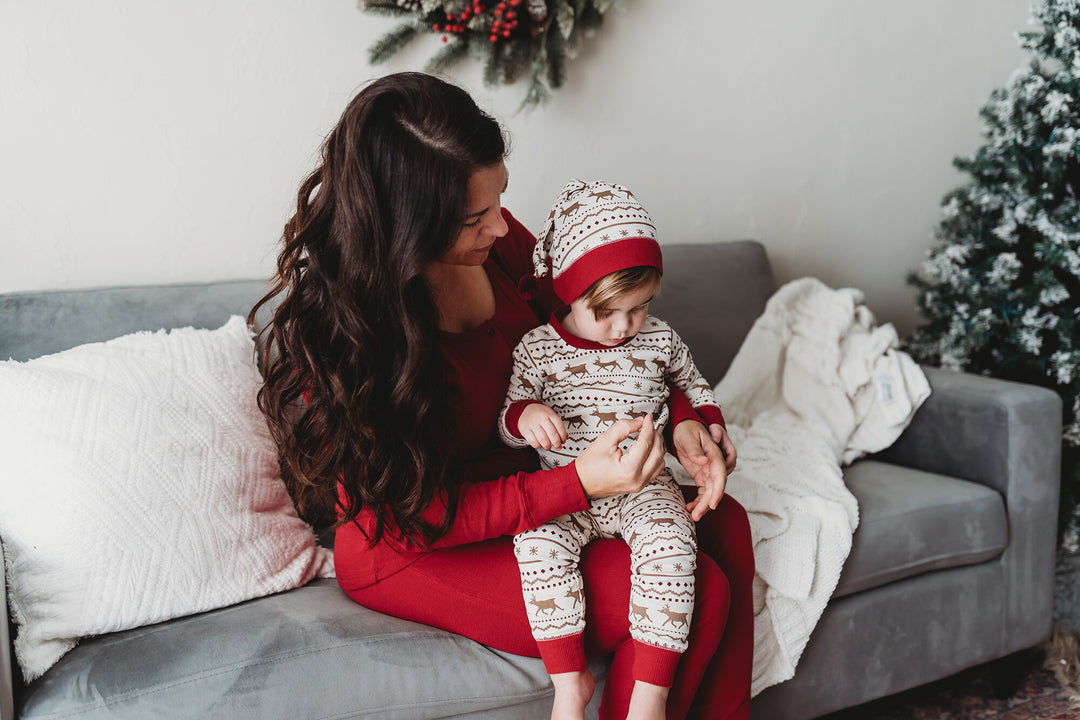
x,y
1009,672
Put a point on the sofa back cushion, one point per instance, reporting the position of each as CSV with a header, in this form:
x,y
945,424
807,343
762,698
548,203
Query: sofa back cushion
x,y
40,323
711,294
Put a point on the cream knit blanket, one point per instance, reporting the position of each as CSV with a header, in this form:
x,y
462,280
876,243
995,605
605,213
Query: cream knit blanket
x,y
815,385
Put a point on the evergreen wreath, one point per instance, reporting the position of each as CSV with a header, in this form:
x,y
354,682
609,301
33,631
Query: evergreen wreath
x,y
514,39
1001,293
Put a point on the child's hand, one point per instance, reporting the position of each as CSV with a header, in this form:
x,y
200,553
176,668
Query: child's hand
x,y
720,436
541,427
698,452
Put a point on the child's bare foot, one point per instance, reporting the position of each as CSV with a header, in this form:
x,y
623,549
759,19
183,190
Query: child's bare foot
x,y
648,702
573,690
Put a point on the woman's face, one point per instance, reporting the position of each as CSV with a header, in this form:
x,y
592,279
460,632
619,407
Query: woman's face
x,y
484,222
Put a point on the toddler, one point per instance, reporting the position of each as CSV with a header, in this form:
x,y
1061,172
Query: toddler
x,y
604,360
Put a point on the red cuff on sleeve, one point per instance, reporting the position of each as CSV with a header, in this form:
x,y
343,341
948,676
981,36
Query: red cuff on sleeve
x,y
654,665
554,492
711,414
563,655
681,409
513,414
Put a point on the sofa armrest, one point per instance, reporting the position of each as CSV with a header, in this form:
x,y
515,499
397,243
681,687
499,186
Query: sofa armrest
x,y
7,665
1000,433
1006,435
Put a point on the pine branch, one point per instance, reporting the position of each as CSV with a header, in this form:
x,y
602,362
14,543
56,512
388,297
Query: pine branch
x,y
493,65
536,95
392,42
386,10
555,51
479,47
453,52
519,58
591,19
564,17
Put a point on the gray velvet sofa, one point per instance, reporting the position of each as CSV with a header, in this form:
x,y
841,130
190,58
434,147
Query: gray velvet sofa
x,y
952,564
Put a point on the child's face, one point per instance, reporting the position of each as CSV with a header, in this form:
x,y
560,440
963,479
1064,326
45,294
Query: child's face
x,y
622,319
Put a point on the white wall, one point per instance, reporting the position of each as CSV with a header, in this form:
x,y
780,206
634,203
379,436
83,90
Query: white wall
x,y
148,141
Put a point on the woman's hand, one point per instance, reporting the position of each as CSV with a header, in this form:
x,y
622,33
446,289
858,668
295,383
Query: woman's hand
x,y
606,470
699,451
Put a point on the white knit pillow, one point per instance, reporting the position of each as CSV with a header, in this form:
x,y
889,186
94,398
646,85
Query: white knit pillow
x,y
138,483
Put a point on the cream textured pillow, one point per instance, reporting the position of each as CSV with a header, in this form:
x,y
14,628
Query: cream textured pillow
x,y
139,483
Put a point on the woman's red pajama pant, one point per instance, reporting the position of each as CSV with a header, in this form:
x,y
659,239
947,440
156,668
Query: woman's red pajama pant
x,y
475,590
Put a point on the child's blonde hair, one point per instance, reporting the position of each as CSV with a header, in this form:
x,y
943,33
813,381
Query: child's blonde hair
x,y
602,293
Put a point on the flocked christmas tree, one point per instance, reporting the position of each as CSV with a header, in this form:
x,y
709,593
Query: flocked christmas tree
x,y
1000,292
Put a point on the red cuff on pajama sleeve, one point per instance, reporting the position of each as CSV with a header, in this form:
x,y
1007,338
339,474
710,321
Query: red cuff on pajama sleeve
x,y
654,665
681,409
563,655
513,415
710,414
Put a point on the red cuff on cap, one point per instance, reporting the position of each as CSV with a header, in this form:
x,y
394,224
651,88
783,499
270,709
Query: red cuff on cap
x,y
604,260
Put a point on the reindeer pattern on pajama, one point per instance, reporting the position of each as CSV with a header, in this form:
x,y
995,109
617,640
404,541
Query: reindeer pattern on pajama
x,y
590,387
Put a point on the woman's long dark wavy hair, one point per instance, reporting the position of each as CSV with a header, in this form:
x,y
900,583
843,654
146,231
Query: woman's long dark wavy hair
x,y
354,387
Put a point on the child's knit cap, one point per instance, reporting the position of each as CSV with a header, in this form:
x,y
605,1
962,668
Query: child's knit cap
x,y
594,229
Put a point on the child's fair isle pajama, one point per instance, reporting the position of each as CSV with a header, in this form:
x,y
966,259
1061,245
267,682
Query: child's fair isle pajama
x,y
663,557
590,386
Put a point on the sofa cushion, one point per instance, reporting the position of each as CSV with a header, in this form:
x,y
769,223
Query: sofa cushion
x,y
140,483
912,521
310,652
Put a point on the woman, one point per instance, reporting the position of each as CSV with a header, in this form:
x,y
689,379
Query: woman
x,y
403,289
